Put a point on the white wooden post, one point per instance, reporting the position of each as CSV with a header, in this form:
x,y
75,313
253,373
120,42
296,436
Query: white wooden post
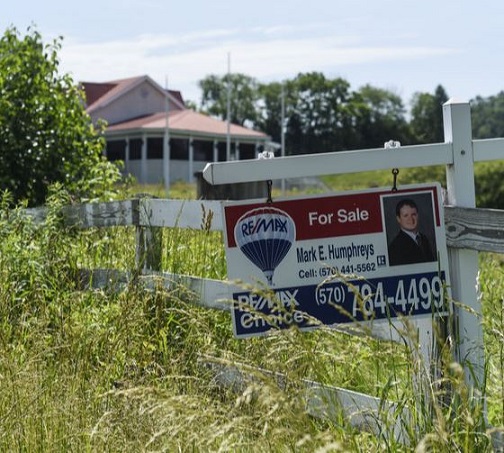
x,y
464,262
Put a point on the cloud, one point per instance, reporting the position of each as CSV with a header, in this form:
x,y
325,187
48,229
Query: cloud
x,y
273,53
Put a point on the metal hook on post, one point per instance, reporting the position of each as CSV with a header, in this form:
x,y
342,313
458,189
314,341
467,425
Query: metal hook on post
x,y
269,185
395,171
269,182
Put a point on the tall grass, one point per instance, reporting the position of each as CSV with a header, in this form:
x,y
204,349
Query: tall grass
x,y
135,370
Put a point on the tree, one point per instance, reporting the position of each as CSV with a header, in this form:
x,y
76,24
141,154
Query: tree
x,y
319,114
270,109
243,94
324,114
380,117
45,134
427,116
487,116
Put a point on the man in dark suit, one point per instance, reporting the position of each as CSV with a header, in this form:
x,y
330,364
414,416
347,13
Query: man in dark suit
x,y
409,246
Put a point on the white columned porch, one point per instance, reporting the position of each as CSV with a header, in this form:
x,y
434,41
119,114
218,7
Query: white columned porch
x,y
127,155
144,159
216,151
191,160
166,161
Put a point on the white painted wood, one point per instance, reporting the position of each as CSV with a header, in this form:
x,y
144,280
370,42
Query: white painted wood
x,y
200,291
113,213
155,212
488,149
464,262
346,162
364,412
327,163
206,292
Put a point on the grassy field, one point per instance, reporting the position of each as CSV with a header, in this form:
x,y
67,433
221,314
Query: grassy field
x,y
93,371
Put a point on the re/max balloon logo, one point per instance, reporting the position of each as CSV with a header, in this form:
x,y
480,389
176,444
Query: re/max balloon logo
x,y
265,235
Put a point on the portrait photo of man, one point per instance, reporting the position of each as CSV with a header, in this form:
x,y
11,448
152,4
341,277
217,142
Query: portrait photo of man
x,y
410,244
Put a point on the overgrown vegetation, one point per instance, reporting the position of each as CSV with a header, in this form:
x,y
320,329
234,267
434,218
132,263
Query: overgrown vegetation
x,y
136,370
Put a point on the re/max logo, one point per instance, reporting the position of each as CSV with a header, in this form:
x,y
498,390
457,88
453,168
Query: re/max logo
x,y
287,298
263,224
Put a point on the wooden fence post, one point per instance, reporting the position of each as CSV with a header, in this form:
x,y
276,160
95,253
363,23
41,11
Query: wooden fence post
x,y
464,262
149,239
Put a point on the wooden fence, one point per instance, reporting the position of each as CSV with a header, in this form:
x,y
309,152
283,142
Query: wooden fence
x,y
468,231
471,228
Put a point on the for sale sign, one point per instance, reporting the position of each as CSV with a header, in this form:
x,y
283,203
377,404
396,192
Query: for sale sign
x,y
333,259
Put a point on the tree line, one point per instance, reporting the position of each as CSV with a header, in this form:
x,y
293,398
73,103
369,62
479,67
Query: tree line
x,y
47,138
321,114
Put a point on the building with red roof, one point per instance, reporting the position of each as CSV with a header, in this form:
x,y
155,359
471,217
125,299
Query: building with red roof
x,y
157,137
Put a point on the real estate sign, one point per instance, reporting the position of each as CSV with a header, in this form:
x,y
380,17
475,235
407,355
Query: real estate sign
x,y
330,259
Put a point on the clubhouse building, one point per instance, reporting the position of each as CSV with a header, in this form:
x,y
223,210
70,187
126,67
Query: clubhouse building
x,y
157,137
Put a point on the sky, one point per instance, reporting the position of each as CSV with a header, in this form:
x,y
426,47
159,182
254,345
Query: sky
x,y
400,45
